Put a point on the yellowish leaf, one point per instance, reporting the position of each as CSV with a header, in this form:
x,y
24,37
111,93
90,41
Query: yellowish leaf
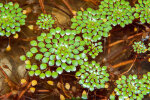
x,y
59,85
24,11
23,81
30,27
67,86
34,82
62,97
74,12
16,36
104,20
109,34
135,29
8,48
82,9
32,89
106,85
27,62
50,82
84,93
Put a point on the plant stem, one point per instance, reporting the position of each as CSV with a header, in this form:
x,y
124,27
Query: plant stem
x,y
68,6
120,41
22,92
42,6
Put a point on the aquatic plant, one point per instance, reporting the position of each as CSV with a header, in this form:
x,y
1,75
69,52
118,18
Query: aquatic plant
x,y
59,49
131,87
93,49
89,24
92,76
142,11
117,12
11,18
139,47
45,21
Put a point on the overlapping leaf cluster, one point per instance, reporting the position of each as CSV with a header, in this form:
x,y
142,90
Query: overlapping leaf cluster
x,y
139,47
45,21
89,24
59,49
11,18
92,76
142,11
93,48
117,12
132,87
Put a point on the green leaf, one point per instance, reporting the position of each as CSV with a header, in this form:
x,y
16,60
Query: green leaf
x,y
29,54
37,72
54,74
58,63
48,73
59,70
41,44
63,65
23,57
28,66
33,43
34,67
51,63
31,73
1,5
43,66
58,29
42,76
34,50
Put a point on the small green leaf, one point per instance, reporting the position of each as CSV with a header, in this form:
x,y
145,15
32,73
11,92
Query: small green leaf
x,y
54,74
42,76
48,73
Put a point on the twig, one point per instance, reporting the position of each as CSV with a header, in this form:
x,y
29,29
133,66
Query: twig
x,y
68,6
109,41
130,66
64,88
123,63
6,76
59,7
28,39
6,96
120,41
10,82
41,91
93,1
22,93
42,6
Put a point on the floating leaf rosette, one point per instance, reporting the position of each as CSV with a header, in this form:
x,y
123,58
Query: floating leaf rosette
x,y
11,18
56,51
45,21
92,76
142,11
93,48
131,88
88,22
117,12
139,47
